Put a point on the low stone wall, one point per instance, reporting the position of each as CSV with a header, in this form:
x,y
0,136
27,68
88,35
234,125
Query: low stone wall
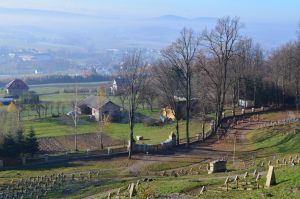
x,y
168,144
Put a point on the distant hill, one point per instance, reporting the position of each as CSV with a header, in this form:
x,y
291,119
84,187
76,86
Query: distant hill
x,y
38,12
171,17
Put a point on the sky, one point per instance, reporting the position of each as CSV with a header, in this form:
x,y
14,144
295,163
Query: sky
x,y
271,11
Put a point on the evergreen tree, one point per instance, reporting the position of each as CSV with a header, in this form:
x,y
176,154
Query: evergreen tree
x,y
31,144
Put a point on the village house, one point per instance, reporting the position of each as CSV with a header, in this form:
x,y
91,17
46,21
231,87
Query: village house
x,y
117,84
246,103
16,87
92,106
168,113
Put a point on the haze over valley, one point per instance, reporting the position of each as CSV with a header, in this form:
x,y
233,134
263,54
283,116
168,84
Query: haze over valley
x,y
48,41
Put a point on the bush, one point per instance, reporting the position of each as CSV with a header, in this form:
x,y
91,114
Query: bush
x,y
151,122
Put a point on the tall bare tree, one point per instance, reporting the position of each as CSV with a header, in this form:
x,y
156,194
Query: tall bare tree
x,y
219,44
182,56
295,71
167,82
133,71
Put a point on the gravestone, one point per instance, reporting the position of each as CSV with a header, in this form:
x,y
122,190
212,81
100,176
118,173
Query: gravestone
x,y
271,180
217,166
109,151
203,189
132,190
139,137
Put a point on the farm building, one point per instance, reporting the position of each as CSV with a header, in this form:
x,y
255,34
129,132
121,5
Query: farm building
x,y
246,103
16,87
117,84
168,113
92,106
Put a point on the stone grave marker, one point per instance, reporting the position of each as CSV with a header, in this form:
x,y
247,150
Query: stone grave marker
x,y
132,190
226,183
203,189
271,180
258,179
217,166
255,173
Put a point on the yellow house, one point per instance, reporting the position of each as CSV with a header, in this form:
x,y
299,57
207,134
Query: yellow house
x,y
168,113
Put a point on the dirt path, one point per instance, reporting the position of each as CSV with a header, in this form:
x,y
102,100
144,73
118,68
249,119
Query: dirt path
x,y
213,148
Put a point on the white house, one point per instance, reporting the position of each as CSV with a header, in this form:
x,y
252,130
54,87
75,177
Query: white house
x,y
246,103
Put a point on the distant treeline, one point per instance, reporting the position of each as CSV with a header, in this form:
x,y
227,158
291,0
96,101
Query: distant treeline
x,y
49,79
80,90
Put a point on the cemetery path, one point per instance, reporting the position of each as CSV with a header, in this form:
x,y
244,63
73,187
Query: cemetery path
x,y
212,148
197,154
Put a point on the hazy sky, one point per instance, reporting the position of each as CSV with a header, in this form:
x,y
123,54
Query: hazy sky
x,y
286,11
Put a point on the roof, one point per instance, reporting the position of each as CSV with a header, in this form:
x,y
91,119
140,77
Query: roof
x,y
6,99
17,84
92,102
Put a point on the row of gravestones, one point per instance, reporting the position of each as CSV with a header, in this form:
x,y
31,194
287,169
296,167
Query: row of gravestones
x,y
284,162
130,191
240,182
246,182
280,122
40,186
254,118
184,172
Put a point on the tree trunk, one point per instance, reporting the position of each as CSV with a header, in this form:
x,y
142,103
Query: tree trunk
x,y
188,104
130,137
203,129
177,132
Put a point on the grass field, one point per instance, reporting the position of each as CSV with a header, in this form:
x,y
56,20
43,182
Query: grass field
x,y
48,127
115,172
279,139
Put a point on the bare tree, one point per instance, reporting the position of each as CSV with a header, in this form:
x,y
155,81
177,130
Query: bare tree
x,y
219,44
74,117
122,95
238,68
133,71
256,72
167,82
103,118
149,93
295,71
182,56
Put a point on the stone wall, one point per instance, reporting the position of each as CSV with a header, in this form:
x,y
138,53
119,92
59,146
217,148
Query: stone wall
x,y
166,145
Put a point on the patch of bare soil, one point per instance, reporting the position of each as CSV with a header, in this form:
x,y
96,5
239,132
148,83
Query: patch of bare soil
x,y
89,141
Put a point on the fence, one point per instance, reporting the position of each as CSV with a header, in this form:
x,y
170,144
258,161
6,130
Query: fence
x,y
122,150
